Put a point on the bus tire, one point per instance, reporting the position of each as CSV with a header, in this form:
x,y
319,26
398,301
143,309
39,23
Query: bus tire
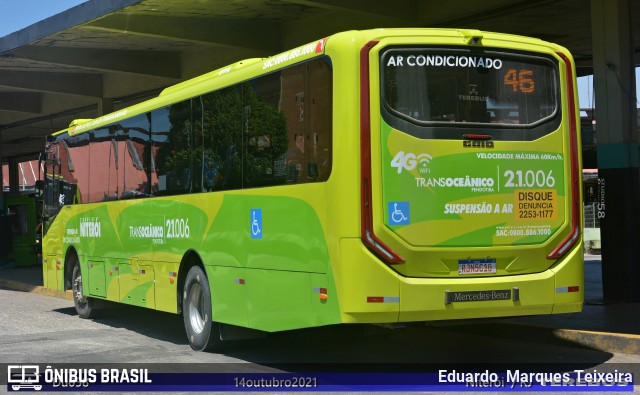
x,y
85,306
202,332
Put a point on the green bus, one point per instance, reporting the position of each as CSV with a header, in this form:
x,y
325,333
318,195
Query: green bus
x,y
380,176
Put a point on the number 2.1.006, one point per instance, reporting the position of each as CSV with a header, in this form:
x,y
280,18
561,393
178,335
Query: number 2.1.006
x,y
529,178
178,228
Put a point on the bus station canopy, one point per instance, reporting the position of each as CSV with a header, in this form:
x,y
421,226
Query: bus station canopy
x,y
104,55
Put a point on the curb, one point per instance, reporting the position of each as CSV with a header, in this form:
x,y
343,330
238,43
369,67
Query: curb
x,y
603,341
37,289
611,342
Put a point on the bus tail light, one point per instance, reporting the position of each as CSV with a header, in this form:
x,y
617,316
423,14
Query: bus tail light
x,y
575,288
475,136
373,243
574,236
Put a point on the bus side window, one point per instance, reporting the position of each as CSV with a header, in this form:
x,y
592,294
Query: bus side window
x,y
171,149
74,169
265,128
296,158
319,92
102,165
219,158
307,103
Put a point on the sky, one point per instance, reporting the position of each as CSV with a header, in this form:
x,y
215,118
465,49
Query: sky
x,y
18,14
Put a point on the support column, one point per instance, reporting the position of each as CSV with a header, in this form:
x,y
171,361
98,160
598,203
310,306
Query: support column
x,y
618,155
14,176
105,106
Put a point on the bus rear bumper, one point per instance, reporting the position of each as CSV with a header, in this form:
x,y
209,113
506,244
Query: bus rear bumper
x,y
382,295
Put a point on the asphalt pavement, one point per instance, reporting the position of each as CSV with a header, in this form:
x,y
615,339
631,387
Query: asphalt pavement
x,y
613,328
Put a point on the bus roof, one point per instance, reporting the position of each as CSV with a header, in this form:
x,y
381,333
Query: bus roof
x,y
243,70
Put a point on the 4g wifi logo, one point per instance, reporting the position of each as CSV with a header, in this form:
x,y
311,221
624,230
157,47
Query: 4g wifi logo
x,y
410,161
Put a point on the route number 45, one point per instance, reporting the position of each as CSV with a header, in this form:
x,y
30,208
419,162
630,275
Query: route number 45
x,y
520,80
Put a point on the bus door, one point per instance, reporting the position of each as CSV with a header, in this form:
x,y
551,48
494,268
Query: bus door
x,y
48,205
50,197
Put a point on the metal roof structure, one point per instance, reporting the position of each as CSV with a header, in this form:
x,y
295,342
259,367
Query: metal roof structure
x,y
110,54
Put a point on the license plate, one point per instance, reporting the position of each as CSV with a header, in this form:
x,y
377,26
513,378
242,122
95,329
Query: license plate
x,y
477,266
477,296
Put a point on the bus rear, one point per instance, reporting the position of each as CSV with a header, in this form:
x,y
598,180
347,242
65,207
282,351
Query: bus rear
x,y
470,178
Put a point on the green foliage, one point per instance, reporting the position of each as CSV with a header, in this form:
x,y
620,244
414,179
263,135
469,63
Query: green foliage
x,y
211,137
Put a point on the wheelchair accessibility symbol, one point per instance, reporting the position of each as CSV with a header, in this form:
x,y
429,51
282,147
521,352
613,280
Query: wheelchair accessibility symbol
x,y
256,223
399,213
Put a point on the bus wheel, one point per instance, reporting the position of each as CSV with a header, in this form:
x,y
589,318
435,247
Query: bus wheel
x,y
203,334
85,306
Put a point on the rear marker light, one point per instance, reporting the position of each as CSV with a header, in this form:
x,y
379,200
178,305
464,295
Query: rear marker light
x,y
320,45
383,299
561,290
239,281
322,293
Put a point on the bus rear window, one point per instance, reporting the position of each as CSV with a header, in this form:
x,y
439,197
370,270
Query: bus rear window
x,y
441,87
